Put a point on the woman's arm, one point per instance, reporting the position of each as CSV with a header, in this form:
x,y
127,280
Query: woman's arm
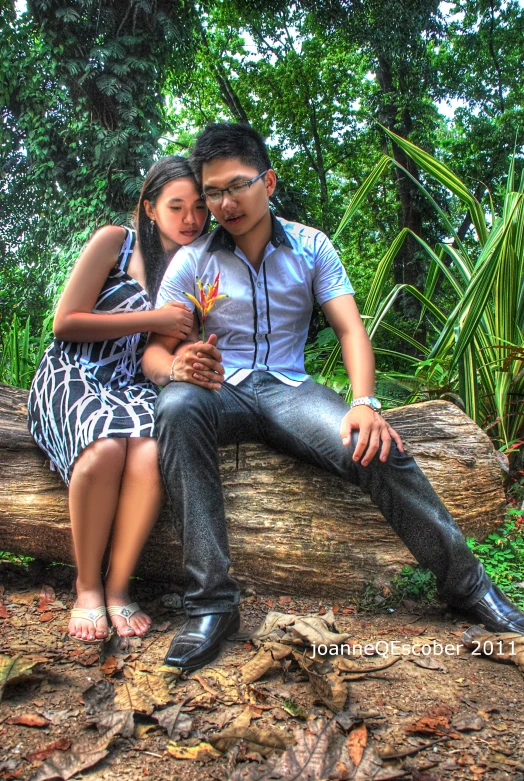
x,y
74,319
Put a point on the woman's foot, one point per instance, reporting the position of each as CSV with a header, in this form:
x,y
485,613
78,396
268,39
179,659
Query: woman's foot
x,y
136,624
84,628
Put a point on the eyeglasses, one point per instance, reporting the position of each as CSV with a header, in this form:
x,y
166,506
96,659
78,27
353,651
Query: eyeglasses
x,y
235,191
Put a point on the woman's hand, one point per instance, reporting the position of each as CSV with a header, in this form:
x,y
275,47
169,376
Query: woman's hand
x,y
374,434
173,319
200,363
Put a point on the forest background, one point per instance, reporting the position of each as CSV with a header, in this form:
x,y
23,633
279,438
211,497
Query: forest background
x,y
395,126
93,93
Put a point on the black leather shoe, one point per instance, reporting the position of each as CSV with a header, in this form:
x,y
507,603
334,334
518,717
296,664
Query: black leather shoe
x,y
497,613
199,640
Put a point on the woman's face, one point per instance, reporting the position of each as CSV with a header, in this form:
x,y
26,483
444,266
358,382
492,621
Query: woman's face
x,y
179,213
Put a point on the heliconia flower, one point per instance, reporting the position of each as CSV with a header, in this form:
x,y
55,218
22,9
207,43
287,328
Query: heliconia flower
x,y
207,299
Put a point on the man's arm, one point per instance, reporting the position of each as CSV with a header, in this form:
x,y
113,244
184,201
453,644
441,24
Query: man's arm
x,y
357,354
190,360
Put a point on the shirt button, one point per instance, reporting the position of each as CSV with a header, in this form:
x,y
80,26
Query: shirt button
x,y
259,284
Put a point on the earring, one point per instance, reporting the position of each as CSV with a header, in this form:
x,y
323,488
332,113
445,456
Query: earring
x,y
151,225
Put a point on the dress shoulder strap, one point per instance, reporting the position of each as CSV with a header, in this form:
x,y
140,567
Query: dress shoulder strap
x,y
126,250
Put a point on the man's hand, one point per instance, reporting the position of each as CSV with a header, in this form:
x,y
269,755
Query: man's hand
x,y
373,430
201,364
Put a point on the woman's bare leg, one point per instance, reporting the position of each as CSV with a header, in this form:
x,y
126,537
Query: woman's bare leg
x,y
137,510
93,500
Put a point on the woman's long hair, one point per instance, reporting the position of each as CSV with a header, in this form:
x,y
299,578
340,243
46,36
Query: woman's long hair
x,y
155,257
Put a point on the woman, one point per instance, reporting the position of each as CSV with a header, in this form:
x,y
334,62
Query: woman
x,y
91,407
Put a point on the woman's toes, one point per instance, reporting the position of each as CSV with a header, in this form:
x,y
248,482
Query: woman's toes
x,y
121,626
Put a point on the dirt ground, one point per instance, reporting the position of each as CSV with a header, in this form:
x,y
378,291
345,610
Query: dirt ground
x,y
431,715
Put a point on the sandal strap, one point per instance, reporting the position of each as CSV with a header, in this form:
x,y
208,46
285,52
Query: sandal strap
x,y
89,615
125,611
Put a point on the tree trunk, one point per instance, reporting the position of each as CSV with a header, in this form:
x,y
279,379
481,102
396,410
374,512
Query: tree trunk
x,y
293,528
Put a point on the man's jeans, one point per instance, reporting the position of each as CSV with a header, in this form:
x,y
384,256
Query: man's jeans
x,y
304,422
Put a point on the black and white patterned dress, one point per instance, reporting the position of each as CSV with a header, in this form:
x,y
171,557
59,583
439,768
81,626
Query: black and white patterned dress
x,y
87,391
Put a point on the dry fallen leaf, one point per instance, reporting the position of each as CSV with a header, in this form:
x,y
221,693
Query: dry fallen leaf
x,y
176,723
204,752
154,686
141,730
28,720
83,755
98,698
45,598
320,753
272,626
220,718
111,665
86,657
356,672
129,697
263,740
264,659
238,729
204,701
123,719
45,752
293,629
312,629
356,742
3,610
219,684
14,669
434,722
428,662
66,765
25,597
328,687
503,647
464,722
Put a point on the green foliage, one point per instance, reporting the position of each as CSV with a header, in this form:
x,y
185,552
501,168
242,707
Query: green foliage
x,y
20,352
93,93
475,356
14,558
413,583
416,583
502,554
82,117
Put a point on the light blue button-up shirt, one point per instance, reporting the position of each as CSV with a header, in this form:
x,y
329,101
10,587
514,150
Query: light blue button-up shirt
x,y
263,324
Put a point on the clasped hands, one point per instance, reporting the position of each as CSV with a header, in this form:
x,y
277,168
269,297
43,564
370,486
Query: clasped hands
x,y
200,363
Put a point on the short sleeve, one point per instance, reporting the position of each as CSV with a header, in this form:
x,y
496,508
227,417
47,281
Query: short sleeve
x,y
178,279
330,279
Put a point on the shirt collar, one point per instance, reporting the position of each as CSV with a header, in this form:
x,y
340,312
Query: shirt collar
x,y
223,240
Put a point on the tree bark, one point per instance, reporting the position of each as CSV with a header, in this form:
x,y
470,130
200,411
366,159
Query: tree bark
x,y
293,528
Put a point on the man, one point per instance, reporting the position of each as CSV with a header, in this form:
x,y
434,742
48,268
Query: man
x,y
247,382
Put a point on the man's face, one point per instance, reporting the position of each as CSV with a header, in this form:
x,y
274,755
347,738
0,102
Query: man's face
x,y
238,214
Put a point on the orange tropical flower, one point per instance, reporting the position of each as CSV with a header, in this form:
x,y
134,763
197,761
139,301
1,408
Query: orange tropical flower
x,y
208,299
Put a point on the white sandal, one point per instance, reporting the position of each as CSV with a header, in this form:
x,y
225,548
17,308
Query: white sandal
x,y
126,611
90,615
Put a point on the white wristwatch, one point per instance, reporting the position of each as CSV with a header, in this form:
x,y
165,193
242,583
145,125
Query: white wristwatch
x,y
367,401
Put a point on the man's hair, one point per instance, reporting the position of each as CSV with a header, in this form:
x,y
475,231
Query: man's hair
x,y
227,140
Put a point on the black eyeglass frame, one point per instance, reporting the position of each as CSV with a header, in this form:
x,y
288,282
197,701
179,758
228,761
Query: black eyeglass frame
x,y
223,190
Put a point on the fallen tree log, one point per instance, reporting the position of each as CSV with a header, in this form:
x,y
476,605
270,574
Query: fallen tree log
x,y
293,528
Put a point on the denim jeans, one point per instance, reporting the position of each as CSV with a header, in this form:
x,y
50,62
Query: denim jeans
x,y
304,422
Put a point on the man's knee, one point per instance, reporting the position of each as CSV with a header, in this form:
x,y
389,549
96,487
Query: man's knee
x,y
180,403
